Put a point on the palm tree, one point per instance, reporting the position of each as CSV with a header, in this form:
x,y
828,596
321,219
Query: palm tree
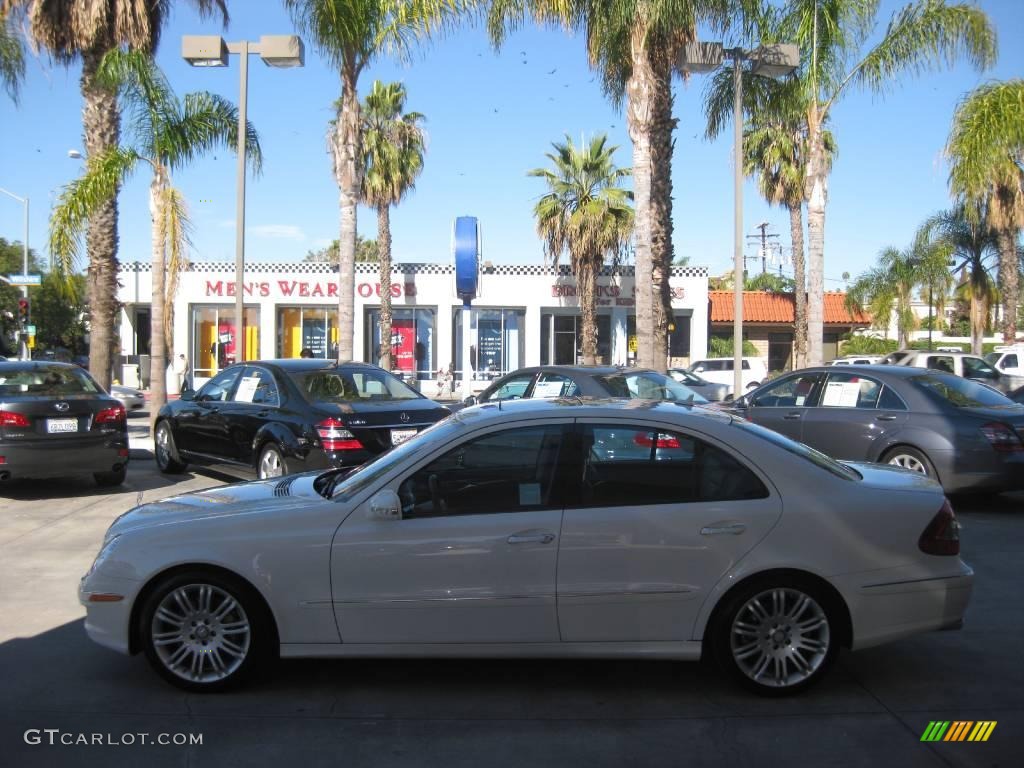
x,y
586,213
168,134
972,242
12,56
86,30
635,45
986,150
393,146
923,35
351,35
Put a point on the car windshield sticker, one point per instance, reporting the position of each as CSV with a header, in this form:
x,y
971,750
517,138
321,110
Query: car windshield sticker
x,y
548,389
247,389
841,394
529,494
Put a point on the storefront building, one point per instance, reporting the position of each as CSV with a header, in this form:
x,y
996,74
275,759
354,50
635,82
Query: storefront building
x,y
523,315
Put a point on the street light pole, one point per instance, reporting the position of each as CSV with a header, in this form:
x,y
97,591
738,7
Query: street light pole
x,y
737,187
22,344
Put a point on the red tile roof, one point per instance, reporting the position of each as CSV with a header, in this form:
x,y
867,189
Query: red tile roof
x,y
763,307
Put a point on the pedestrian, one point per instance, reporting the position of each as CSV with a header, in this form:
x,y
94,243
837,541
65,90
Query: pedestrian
x,y
444,381
306,352
181,368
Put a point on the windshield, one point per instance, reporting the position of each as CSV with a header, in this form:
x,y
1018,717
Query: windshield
x,y
35,379
648,385
338,385
805,452
992,357
962,393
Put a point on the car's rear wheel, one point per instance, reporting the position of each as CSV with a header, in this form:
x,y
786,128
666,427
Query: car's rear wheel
x,y
110,479
271,462
776,638
165,450
910,458
204,631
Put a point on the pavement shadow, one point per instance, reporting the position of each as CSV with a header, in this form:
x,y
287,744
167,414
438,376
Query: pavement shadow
x,y
139,480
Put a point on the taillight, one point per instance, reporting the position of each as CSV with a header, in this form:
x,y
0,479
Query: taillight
x,y
1002,437
942,536
11,419
111,415
334,437
664,441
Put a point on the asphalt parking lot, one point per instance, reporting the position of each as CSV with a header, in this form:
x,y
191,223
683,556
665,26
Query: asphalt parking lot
x,y
871,711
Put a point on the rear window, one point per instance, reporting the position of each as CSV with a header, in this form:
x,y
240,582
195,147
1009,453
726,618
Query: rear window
x,y
55,380
963,393
337,385
799,449
648,386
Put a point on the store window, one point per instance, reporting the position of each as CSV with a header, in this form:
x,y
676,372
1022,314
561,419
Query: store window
x,y
214,337
312,328
561,339
679,336
496,342
412,340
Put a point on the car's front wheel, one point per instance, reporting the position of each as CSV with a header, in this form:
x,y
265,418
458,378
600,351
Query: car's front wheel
x,y
203,631
164,448
776,638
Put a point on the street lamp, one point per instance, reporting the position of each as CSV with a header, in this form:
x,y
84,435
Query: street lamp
x,y
212,51
775,61
22,344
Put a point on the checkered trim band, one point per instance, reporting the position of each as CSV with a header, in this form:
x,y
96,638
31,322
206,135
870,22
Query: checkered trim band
x,y
370,268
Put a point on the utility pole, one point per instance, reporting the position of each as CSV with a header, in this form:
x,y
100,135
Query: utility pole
x,y
765,240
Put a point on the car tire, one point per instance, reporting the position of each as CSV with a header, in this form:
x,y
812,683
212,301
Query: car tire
x,y
776,637
910,458
271,463
205,632
164,449
110,479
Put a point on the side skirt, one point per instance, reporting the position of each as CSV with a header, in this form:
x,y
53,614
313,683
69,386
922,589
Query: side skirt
x,y
681,651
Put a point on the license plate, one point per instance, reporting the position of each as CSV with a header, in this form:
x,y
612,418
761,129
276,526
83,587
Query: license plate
x,y
61,425
399,436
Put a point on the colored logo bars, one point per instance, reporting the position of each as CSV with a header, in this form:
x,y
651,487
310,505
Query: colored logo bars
x,y
958,730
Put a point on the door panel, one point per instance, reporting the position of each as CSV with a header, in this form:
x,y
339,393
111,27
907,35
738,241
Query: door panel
x,y
783,406
848,420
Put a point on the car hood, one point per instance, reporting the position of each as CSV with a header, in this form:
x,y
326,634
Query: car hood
x,y
892,478
278,496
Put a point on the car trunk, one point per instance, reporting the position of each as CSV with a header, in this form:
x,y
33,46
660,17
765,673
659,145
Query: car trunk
x,y
70,419
379,424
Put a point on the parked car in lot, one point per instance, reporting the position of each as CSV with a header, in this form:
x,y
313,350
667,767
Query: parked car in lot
x,y
857,360
1008,359
551,381
56,421
276,417
961,364
713,391
132,399
964,434
720,371
554,528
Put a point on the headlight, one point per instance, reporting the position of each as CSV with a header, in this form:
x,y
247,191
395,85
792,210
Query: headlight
x,y
108,547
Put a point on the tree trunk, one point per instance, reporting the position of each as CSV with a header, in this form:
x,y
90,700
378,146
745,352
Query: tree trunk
x,y
586,268
384,252
641,94
796,235
345,147
661,212
158,350
816,190
979,318
1009,281
101,128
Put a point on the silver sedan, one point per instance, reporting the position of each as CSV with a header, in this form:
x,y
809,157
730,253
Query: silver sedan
x,y
555,528
132,399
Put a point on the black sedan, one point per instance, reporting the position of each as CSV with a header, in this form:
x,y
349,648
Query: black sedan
x,y
277,417
56,421
550,381
960,432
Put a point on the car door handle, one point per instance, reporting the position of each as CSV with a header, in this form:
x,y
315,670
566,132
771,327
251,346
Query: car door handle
x,y
886,417
793,416
734,529
531,538
263,414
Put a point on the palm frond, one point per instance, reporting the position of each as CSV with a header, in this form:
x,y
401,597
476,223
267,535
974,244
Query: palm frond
x,y
207,121
143,90
177,228
12,56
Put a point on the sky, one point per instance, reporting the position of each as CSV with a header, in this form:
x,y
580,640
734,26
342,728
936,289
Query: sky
x,y
491,116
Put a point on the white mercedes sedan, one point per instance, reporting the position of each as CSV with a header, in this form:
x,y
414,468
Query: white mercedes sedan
x,y
541,529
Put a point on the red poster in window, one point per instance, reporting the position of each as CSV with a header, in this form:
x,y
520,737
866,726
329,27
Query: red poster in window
x,y
403,344
225,344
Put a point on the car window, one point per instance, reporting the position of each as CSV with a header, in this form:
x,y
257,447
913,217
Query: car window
x,y
341,385
257,386
993,358
960,392
744,365
940,363
35,379
220,386
890,401
792,392
1010,361
648,385
631,465
550,385
976,368
513,389
507,471
849,390
805,452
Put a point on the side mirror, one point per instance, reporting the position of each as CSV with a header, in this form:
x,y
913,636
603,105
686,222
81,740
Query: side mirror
x,y
699,369
471,400
385,505
188,394
741,403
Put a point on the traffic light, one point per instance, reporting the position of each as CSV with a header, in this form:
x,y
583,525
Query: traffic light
x,y
23,311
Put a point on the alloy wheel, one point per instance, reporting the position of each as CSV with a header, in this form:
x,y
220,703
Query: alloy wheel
x,y
907,461
163,445
271,464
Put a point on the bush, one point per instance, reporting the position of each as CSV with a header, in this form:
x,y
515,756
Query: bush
x,y
721,346
960,327
866,345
